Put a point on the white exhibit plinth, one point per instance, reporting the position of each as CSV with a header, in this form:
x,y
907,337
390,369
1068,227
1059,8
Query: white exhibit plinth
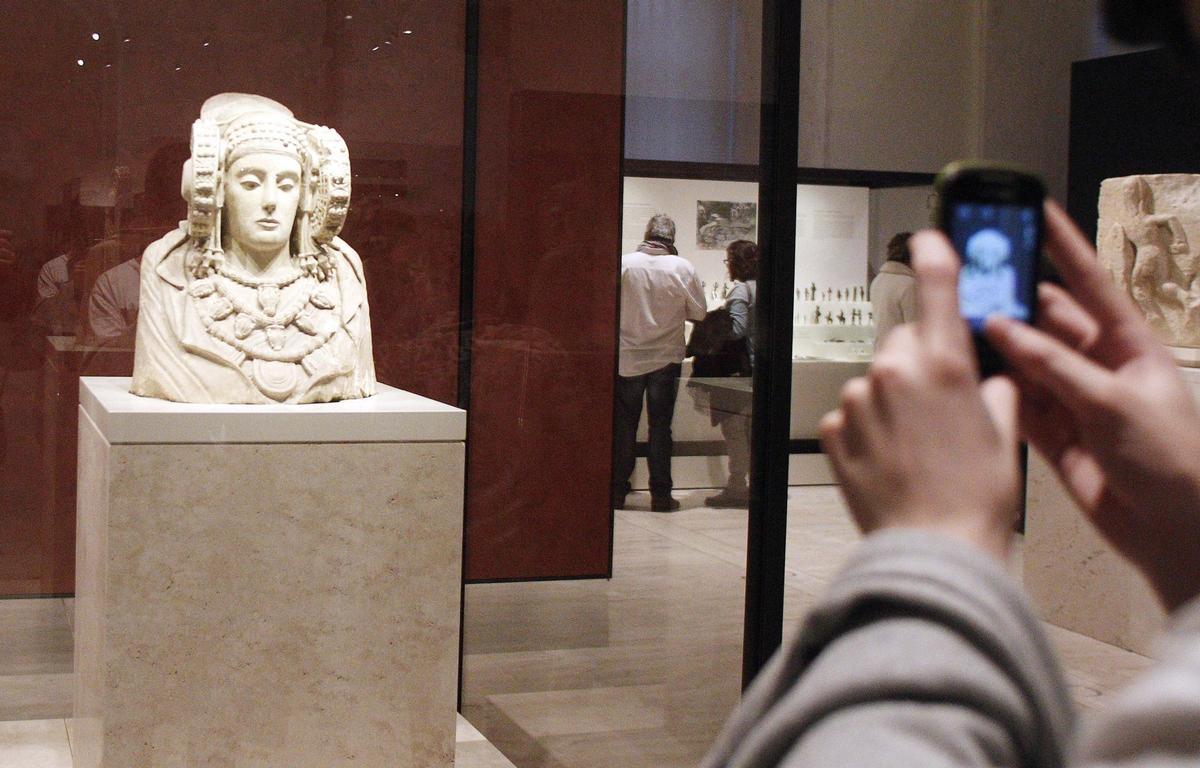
x,y
1075,578
267,585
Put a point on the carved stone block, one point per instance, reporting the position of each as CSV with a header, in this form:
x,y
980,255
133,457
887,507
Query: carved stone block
x,y
1148,238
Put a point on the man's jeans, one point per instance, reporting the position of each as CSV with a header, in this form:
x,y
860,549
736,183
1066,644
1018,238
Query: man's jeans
x,y
660,389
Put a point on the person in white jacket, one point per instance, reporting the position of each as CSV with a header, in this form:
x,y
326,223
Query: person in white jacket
x,y
894,289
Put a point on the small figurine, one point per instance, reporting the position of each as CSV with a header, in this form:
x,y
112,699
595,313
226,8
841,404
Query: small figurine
x,y
818,315
841,318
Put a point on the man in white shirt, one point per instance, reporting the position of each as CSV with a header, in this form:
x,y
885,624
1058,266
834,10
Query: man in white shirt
x,y
659,292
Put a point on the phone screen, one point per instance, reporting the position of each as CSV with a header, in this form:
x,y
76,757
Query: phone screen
x,y
999,247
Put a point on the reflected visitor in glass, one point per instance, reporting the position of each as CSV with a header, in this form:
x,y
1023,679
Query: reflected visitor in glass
x,y
109,317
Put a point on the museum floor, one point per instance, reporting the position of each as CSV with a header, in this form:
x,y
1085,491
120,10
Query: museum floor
x,y
637,671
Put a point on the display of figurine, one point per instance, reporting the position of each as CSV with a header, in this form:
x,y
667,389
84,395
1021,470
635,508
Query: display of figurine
x,y
255,299
1147,238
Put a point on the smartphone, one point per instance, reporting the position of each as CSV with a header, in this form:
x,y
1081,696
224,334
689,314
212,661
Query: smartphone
x,y
993,216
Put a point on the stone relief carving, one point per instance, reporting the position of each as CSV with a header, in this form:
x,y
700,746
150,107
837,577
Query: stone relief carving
x,y
254,299
1148,237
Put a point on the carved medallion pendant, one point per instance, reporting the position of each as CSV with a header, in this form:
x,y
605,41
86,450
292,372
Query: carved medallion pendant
x,y
274,325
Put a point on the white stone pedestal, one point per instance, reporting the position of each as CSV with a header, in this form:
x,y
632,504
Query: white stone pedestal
x,y
1075,578
267,585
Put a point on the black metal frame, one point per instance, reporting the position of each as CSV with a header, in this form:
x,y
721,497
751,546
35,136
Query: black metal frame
x,y
839,177
771,421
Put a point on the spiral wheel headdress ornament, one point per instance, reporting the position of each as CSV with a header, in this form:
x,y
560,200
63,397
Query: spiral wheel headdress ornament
x,y
202,179
329,183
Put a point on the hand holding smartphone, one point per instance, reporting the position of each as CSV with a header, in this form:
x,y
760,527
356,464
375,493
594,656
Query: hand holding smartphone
x,y
993,216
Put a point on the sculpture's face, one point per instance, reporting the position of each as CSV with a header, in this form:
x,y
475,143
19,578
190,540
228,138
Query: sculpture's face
x,y
262,193
988,249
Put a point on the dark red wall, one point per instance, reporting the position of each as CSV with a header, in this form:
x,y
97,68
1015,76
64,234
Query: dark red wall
x,y
546,274
396,98
549,116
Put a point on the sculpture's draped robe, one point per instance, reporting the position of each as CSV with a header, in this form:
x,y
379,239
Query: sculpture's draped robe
x,y
186,352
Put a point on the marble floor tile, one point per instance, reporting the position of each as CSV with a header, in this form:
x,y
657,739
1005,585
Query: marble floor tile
x,y
591,710
472,750
36,697
45,744
644,668
34,744
35,637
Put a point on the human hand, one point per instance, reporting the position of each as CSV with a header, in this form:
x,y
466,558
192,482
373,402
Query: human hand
x,y
1101,399
917,442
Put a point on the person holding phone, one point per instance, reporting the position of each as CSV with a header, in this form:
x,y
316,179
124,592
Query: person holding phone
x,y
924,652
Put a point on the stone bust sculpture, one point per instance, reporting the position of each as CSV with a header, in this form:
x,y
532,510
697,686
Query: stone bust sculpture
x,y
255,299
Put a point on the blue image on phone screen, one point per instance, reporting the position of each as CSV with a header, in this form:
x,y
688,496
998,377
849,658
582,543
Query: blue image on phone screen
x,y
998,246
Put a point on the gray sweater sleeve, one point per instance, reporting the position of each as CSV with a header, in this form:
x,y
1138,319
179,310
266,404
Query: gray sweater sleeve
x,y
922,653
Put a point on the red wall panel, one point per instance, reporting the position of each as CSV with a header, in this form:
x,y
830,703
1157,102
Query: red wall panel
x,y
86,114
546,277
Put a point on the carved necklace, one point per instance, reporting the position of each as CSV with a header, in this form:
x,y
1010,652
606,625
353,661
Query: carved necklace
x,y
256,282
217,300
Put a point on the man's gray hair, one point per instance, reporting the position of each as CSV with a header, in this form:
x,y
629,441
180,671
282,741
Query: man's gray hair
x,y
660,227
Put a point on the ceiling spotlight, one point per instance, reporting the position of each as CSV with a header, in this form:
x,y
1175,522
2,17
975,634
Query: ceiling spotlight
x,y
204,44
79,62
108,66
178,68
408,31
376,48
95,35
349,16
126,40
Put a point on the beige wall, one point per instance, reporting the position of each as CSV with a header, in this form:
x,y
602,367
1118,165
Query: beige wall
x,y
885,86
1026,87
908,85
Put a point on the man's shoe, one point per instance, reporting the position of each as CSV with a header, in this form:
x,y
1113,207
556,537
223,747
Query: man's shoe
x,y
728,500
663,504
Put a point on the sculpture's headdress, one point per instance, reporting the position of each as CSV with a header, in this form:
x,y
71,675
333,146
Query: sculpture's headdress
x,y
233,125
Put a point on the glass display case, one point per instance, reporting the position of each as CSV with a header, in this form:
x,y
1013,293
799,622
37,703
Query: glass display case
x,y
504,154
